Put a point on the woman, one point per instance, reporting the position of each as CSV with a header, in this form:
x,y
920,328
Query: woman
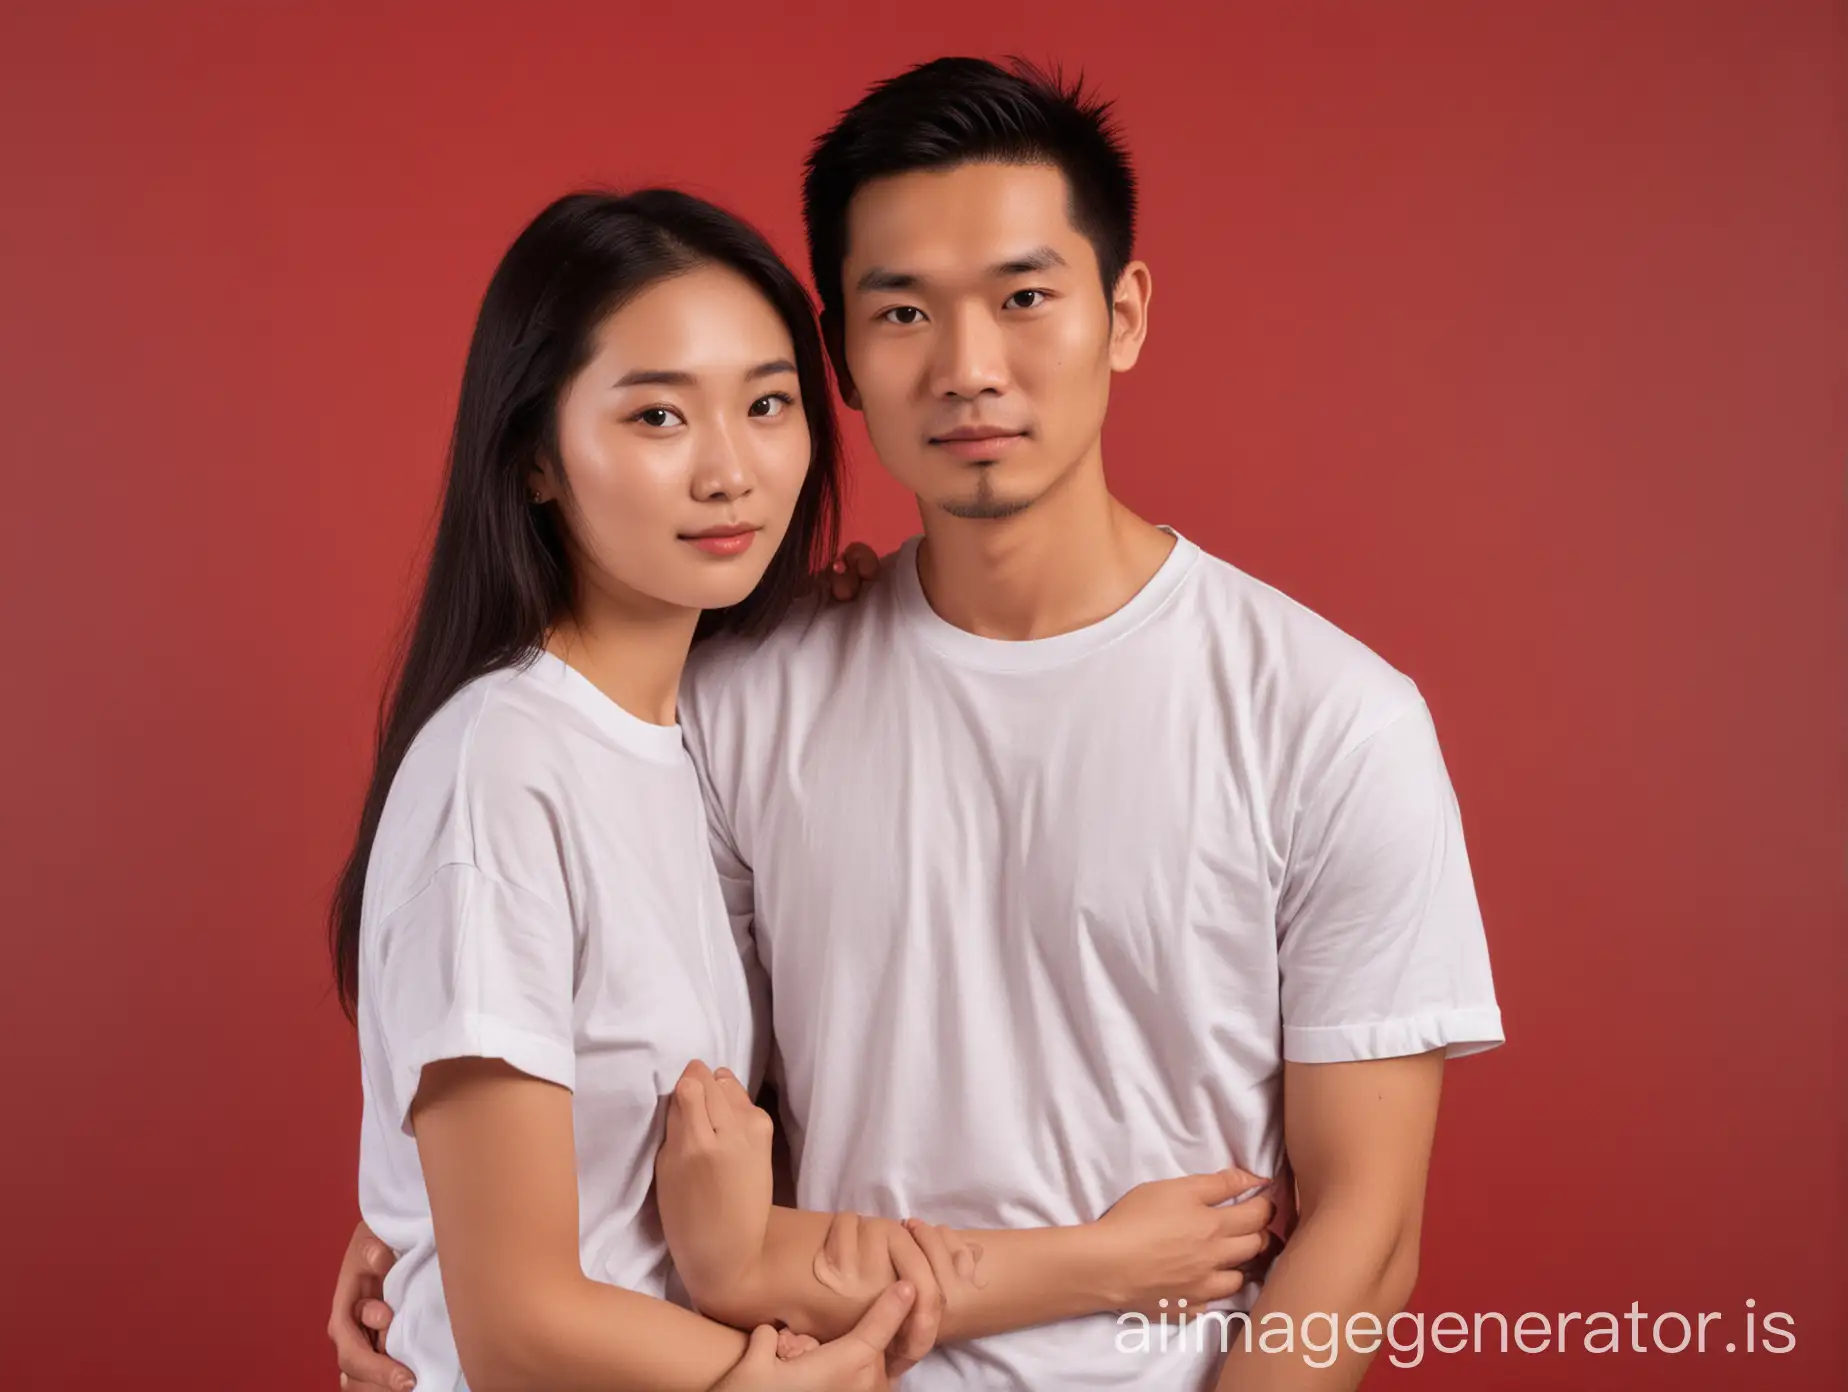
x,y
529,929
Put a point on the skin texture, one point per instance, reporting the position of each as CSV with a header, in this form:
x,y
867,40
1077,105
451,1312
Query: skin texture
x,y
989,315
644,466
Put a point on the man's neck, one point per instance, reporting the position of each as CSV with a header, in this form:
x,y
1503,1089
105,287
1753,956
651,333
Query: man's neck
x,y
1075,557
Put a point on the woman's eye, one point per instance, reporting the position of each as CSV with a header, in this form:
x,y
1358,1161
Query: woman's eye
x,y
902,314
1019,299
772,405
658,417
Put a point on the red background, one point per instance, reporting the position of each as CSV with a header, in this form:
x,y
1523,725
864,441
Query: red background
x,y
1509,336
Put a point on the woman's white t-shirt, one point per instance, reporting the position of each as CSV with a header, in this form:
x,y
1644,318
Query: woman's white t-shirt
x,y
541,891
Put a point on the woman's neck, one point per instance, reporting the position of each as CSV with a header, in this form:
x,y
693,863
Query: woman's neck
x,y
633,652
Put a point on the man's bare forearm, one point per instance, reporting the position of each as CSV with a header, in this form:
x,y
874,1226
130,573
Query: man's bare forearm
x,y
1342,1261
1029,1276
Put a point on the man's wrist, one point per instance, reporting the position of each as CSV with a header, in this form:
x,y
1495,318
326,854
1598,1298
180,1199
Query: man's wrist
x,y
1092,1264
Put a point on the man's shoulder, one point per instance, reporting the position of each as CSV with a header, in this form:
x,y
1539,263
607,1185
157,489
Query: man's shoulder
x,y
1293,658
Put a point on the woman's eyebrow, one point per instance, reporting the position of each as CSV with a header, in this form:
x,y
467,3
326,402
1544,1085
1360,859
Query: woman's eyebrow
x,y
663,377
654,377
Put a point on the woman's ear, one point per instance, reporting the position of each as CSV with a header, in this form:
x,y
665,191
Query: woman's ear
x,y
541,486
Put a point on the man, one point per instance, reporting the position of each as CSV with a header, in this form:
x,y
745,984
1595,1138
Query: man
x,y
1073,856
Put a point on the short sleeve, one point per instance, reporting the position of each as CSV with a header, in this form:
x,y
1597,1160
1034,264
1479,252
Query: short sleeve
x,y
473,967
1381,952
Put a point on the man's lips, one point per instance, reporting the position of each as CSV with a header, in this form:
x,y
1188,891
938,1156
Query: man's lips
x,y
978,442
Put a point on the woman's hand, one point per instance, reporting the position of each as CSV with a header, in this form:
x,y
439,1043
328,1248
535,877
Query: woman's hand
x,y
1181,1239
860,1257
713,1183
360,1317
855,1362
954,1260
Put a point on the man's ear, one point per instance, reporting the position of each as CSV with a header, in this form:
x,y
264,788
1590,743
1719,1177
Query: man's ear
x,y
1129,315
835,342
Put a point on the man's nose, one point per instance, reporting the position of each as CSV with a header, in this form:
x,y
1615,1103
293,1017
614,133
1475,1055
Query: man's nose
x,y
971,357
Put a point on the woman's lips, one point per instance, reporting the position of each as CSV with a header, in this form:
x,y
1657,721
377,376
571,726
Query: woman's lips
x,y
724,543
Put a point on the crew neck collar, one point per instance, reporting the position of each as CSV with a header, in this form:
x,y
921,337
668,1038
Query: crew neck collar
x,y
1033,654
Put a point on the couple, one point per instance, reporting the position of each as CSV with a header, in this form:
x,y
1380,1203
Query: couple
x,y
1066,879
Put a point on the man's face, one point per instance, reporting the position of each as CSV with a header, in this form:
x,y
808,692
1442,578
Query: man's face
x,y
976,335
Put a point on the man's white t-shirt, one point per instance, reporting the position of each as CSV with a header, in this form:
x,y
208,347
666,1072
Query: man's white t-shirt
x,y
1043,920
541,891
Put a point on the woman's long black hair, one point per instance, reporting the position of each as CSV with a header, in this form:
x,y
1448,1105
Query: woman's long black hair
x,y
498,575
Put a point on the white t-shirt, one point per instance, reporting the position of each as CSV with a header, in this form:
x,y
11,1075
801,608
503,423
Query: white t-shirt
x,y
541,891
1043,920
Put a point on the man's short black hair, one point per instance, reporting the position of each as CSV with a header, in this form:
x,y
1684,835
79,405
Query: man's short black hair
x,y
954,111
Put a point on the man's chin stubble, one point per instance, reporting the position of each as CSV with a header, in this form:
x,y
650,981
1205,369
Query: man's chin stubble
x,y
984,506
989,510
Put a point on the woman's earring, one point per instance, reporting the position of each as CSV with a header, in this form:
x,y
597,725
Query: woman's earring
x,y
533,493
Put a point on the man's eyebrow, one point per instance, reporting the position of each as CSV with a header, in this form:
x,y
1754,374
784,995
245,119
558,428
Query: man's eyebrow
x,y
1041,258
657,377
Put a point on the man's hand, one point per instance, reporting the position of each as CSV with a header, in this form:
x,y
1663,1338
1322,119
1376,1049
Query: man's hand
x,y
360,1317
713,1182
1171,1239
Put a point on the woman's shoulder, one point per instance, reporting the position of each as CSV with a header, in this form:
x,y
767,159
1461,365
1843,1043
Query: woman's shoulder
x,y
486,774
488,731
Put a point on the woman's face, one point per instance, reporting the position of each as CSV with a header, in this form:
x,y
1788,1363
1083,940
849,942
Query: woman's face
x,y
684,444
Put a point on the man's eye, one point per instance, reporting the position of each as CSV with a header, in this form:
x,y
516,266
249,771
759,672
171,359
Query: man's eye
x,y
902,314
1019,299
658,417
